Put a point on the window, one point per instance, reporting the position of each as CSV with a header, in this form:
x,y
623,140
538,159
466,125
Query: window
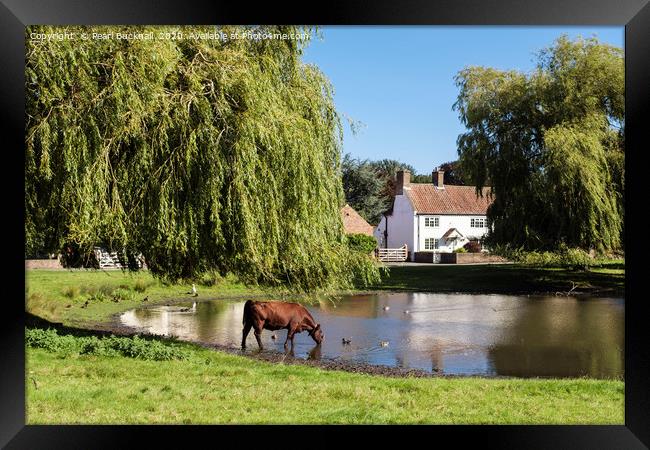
x,y
431,244
478,223
431,221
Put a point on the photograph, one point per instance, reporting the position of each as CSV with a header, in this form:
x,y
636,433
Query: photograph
x,y
416,221
325,224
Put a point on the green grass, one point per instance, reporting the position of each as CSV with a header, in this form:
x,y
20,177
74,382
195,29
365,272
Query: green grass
x,y
59,295
215,387
502,278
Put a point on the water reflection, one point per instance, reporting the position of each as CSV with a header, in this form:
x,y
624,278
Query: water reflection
x,y
442,333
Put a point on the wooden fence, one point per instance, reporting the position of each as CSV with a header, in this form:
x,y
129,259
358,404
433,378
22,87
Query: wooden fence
x,y
392,254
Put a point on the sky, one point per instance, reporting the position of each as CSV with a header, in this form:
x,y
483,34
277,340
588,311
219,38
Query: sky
x,y
398,81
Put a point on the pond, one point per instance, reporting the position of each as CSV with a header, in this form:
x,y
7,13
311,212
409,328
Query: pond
x,y
454,334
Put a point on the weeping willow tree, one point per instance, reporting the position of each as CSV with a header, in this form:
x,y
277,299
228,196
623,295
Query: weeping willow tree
x,y
203,154
551,142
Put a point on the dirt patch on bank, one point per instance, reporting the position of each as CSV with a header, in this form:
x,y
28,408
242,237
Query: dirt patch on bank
x,y
324,363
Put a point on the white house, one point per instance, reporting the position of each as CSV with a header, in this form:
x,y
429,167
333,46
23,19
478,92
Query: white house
x,y
433,218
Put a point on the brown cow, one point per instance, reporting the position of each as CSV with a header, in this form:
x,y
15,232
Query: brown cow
x,y
278,315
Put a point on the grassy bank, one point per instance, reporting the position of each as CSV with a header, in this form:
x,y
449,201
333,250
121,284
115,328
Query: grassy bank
x,y
61,295
214,387
504,278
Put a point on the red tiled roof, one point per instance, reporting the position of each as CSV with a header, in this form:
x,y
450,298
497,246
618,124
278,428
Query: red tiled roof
x,y
427,199
354,223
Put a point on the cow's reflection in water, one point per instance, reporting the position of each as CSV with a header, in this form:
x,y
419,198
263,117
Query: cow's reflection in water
x,y
315,353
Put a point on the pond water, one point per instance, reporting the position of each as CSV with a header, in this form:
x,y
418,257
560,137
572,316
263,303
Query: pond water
x,y
487,335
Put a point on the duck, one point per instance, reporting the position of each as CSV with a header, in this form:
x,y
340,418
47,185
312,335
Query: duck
x,y
146,299
85,305
345,341
383,343
274,337
386,308
406,311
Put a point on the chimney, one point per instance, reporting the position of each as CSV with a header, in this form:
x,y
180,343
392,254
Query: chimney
x,y
403,180
438,177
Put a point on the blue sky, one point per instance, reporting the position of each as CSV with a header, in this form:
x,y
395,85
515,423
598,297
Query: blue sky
x,y
399,81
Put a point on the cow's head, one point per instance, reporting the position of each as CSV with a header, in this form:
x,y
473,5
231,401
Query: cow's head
x,y
317,334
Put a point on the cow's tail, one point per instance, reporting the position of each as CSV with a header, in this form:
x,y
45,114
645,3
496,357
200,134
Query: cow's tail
x,y
247,310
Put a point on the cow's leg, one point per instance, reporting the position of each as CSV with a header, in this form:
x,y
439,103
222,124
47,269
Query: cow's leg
x,y
247,329
290,333
258,335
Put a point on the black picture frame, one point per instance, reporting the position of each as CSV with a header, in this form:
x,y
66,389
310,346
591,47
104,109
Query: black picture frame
x,y
16,14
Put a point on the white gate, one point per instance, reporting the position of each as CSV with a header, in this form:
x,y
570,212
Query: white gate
x,y
392,254
111,260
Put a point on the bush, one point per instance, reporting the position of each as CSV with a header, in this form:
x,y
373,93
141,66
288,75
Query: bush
x,y
460,250
563,256
472,247
98,293
362,243
131,347
71,291
141,285
576,258
210,278
122,294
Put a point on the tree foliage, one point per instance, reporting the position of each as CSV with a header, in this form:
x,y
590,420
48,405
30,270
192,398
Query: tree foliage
x,y
363,188
201,154
454,174
369,186
362,243
551,142
387,171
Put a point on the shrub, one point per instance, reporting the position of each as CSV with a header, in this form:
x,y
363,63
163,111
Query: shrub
x,y
98,293
472,247
362,243
460,250
98,297
131,347
71,291
576,258
562,256
141,285
210,278
122,294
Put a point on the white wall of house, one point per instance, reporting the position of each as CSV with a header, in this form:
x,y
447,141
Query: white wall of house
x,y
462,223
401,225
